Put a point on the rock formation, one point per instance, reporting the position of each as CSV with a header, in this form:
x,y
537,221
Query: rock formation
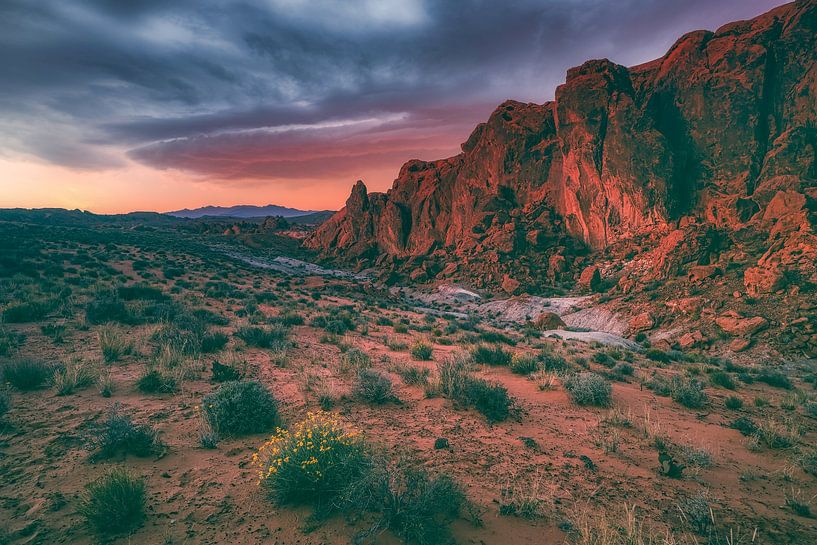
x,y
705,155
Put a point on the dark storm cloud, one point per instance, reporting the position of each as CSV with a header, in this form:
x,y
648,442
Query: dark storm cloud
x,y
296,89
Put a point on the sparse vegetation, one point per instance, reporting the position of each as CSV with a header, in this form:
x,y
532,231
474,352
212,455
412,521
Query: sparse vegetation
x,y
587,388
27,374
240,408
114,503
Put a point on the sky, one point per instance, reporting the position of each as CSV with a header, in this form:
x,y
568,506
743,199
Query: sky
x,y
115,106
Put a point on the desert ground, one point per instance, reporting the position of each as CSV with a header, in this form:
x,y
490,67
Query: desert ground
x,y
116,343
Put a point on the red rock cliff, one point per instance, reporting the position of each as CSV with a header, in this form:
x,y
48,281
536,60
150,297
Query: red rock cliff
x,y
720,131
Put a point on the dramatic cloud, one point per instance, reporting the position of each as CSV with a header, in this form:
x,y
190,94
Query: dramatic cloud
x,y
276,91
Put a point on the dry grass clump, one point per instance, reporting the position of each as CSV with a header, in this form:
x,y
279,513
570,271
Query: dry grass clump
x,y
113,343
114,503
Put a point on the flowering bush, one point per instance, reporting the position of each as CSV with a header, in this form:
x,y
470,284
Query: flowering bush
x,y
314,462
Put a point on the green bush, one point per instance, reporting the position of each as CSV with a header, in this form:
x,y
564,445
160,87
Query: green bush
x,y
374,387
240,408
107,308
224,373
26,311
140,292
658,355
733,402
114,503
419,507
722,379
5,403
413,374
490,355
27,374
154,381
213,342
354,359
492,400
421,350
689,393
524,364
261,337
774,378
119,436
589,389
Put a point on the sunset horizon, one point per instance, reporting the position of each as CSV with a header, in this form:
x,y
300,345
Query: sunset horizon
x,y
146,118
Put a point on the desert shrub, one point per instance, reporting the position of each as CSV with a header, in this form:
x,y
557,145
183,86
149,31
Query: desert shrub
x,y
733,402
354,359
454,373
623,369
108,308
240,408
696,512
9,340
314,463
490,355
492,400
658,355
689,393
140,292
27,311
156,381
775,434
496,337
27,374
5,403
418,507
603,358
774,378
291,318
74,376
413,374
421,350
224,373
114,503
264,337
553,362
807,458
114,344
117,435
213,342
373,386
209,317
524,364
746,426
722,379
55,332
400,328
589,389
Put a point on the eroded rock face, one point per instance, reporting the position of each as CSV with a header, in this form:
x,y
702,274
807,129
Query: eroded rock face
x,y
713,142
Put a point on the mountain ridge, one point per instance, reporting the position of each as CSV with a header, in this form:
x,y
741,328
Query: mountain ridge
x,y
242,211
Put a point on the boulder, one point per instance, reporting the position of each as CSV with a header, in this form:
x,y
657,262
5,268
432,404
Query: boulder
x,y
737,326
548,320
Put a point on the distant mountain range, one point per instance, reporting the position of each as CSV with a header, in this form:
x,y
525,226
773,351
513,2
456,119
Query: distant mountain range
x,y
241,211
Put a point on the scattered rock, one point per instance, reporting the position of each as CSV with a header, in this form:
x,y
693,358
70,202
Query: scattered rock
x,y
548,320
740,344
732,323
641,322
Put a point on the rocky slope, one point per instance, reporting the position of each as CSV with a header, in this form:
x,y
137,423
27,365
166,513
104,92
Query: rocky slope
x,y
699,162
